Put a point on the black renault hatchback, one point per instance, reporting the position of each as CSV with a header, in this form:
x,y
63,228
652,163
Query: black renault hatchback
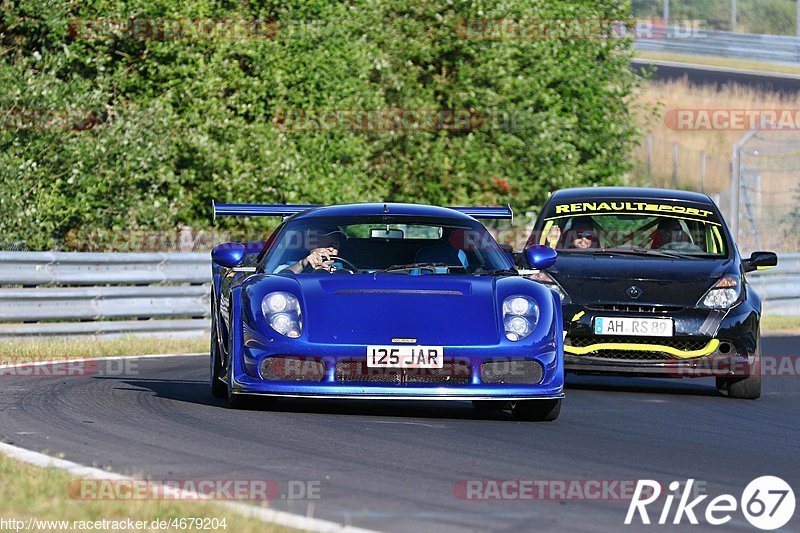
x,y
652,284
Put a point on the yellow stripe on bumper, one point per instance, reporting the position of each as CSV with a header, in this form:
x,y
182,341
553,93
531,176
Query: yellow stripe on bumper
x,y
709,349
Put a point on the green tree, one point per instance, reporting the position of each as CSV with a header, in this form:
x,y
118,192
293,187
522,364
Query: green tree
x,y
142,134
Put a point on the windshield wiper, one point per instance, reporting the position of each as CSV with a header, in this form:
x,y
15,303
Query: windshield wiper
x,y
641,251
409,266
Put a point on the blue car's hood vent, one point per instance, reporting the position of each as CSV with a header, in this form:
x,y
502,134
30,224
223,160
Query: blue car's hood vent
x,y
367,309
400,291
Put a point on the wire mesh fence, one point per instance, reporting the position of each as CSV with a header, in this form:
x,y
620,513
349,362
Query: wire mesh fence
x,y
769,190
768,172
673,165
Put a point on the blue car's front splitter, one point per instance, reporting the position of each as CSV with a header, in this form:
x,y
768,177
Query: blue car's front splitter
x,y
246,380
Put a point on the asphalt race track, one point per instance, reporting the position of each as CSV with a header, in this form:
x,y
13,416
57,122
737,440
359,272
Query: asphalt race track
x,y
396,466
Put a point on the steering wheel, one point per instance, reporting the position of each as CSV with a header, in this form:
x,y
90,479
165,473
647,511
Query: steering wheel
x,y
350,267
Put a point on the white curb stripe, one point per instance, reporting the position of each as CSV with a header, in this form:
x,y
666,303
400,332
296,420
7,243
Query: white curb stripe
x,y
271,516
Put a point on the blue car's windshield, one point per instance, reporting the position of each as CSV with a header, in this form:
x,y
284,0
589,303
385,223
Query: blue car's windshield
x,y
392,244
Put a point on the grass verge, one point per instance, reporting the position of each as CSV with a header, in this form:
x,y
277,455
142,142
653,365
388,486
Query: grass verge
x,y
722,62
71,348
780,324
41,493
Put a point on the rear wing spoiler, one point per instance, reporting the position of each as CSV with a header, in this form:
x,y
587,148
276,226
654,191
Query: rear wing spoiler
x,y
258,210
278,210
492,213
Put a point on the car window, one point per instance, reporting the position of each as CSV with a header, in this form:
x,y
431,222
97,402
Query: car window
x,y
394,231
370,243
672,228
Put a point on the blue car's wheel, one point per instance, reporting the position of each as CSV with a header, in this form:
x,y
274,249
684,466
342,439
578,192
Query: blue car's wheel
x,y
217,386
536,410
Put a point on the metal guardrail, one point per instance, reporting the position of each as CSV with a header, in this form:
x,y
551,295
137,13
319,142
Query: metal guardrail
x,y
775,48
55,294
45,294
779,287
78,268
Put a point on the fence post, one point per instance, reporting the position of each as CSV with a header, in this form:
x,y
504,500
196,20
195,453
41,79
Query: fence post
x,y
736,180
674,165
703,171
734,213
186,241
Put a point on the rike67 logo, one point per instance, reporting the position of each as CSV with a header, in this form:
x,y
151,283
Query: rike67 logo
x,y
767,503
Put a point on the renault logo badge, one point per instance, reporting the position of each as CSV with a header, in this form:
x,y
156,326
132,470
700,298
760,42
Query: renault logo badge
x,y
634,292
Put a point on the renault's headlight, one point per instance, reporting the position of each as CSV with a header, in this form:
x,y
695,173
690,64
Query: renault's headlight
x,y
547,280
725,293
282,311
520,315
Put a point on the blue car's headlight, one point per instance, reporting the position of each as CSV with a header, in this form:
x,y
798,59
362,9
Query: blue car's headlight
x,y
520,315
283,314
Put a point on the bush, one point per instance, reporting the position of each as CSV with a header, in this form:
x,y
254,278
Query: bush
x,y
142,134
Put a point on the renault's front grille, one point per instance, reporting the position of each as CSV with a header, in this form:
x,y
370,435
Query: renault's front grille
x,y
618,352
635,309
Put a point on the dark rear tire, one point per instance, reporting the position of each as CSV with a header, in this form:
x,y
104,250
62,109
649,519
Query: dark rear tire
x,y
748,388
217,386
536,410
490,405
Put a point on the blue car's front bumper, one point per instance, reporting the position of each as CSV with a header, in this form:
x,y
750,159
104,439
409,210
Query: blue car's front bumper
x,y
250,347
247,378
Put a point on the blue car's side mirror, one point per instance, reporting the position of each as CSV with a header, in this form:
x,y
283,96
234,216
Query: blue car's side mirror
x,y
540,256
229,254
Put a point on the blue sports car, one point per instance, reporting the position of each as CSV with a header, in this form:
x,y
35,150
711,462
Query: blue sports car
x,y
384,301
